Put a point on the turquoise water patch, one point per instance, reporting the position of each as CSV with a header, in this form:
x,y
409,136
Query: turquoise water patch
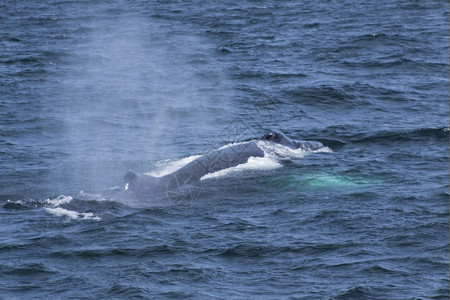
x,y
331,180
321,180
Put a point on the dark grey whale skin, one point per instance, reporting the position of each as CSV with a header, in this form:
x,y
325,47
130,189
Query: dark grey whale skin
x,y
140,186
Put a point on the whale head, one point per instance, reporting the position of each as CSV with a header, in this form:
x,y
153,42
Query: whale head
x,y
278,137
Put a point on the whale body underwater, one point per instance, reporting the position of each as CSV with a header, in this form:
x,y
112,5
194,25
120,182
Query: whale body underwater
x,y
142,186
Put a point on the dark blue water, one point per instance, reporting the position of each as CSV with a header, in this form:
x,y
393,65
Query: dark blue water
x,y
91,89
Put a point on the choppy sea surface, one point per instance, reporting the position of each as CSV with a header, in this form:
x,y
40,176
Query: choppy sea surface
x,y
92,89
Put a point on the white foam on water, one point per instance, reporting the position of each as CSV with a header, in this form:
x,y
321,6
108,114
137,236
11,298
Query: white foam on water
x,y
53,207
61,212
169,166
61,199
283,152
253,163
324,149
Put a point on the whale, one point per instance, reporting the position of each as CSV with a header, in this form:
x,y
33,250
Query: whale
x,y
142,186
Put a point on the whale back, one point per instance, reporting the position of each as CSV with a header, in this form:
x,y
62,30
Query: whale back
x,y
218,160
142,186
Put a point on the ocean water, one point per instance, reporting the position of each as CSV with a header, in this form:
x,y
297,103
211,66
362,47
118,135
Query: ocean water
x,y
92,89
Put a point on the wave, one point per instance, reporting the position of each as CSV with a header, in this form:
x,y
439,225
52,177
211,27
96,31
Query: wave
x,y
263,74
321,95
384,136
23,60
404,63
415,135
376,38
66,207
27,270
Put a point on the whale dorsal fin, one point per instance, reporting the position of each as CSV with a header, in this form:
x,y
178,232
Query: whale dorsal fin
x,y
130,176
142,182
